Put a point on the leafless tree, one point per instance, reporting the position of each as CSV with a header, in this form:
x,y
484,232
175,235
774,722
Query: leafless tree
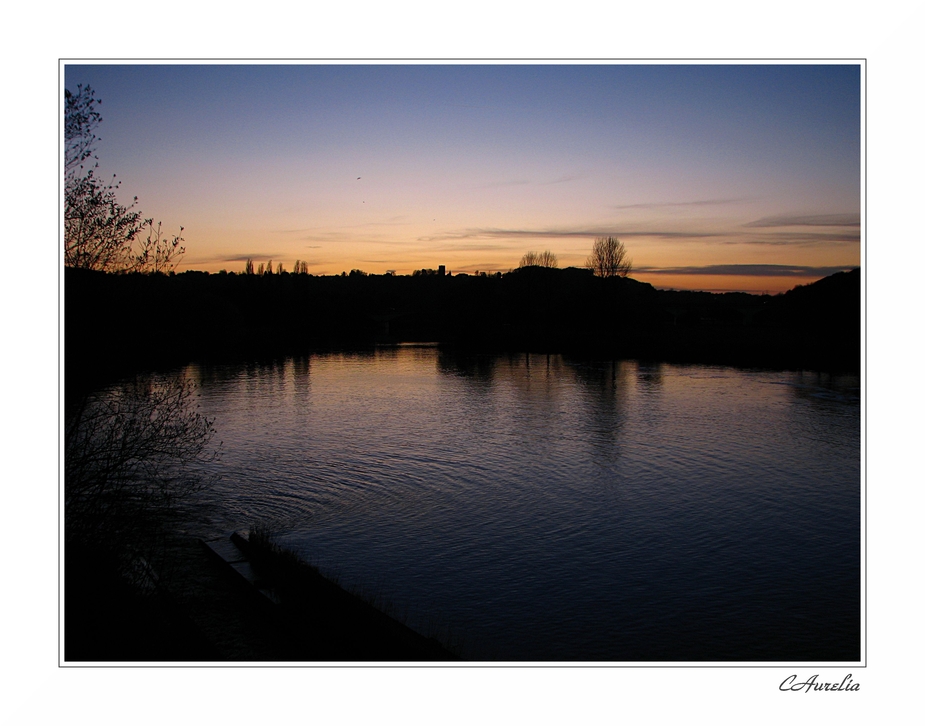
x,y
132,454
99,232
157,253
608,258
539,259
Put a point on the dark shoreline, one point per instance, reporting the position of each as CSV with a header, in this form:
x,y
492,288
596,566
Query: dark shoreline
x,y
120,324
202,611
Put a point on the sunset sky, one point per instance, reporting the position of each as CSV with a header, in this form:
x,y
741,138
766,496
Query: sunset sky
x,y
716,177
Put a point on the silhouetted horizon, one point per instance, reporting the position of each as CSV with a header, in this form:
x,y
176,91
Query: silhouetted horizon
x,y
195,315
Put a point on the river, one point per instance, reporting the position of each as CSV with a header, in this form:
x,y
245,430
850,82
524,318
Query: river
x,y
538,508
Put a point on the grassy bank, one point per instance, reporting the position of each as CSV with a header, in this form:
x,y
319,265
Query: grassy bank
x,y
196,613
332,623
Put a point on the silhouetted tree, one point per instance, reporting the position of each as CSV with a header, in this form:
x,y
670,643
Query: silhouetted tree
x,y
131,454
99,232
539,259
157,253
249,267
609,259
80,121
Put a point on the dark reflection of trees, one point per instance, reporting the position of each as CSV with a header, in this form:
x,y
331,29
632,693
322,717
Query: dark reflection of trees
x,y
650,376
300,367
607,378
209,374
604,387
277,373
384,353
536,380
827,392
268,376
810,383
265,376
467,365
537,376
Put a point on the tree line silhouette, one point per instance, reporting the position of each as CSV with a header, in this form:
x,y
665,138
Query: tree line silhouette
x,y
160,318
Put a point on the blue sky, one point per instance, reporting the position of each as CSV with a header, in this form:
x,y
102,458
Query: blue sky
x,y
721,177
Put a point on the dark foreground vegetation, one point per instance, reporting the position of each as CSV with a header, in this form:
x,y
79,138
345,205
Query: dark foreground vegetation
x,y
158,319
199,609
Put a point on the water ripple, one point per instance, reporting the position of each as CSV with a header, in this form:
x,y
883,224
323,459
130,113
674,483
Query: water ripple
x,y
554,511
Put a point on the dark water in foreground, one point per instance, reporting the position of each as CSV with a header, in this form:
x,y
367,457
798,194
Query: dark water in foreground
x,y
542,509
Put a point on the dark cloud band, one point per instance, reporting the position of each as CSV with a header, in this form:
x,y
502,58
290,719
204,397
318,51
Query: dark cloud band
x,y
746,270
695,203
808,220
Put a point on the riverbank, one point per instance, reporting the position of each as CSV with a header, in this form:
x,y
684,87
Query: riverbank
x,y
198,613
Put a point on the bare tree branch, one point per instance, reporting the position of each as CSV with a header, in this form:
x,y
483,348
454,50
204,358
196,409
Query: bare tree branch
x,y
608,258
539,259
99,232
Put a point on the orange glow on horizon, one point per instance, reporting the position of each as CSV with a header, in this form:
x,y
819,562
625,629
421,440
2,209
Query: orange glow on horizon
x,y
727,283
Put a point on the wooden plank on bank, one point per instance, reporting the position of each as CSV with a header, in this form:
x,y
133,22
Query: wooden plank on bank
x,y
237,565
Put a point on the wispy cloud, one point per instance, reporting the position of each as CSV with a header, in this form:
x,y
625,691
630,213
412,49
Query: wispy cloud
x,y
695,203
521,182
563,179
476,247
509,183
262,255
746,270
393,221
328,237
714,236
562,233
334,237
483,267
808,220
804,238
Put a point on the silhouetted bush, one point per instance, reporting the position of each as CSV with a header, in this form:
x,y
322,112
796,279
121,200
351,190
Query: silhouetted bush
x,y
131,456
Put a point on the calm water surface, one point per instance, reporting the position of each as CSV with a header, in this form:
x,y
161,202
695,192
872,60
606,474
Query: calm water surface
x,y
545,509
